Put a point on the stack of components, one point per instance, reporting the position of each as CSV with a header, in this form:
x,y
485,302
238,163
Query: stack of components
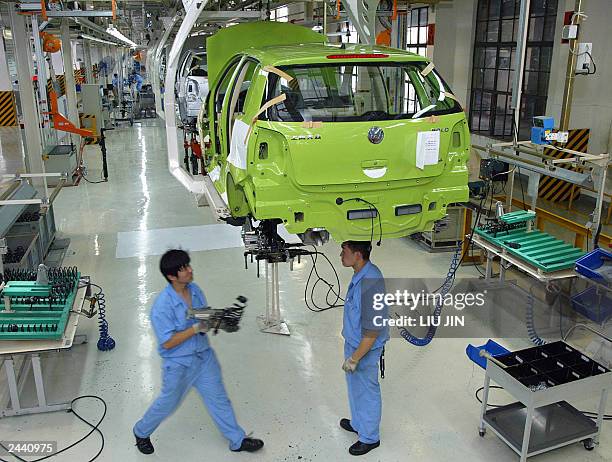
x,y
30,310
513,232
28,229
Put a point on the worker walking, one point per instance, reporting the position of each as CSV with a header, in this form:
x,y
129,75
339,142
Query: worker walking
x,y
364,339
188,359
137,80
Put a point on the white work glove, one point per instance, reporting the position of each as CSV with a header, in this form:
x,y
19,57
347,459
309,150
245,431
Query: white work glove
x,y
200,327
349,365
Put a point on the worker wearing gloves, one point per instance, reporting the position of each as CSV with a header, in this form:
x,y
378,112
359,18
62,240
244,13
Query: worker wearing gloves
x,y
364,340
188,359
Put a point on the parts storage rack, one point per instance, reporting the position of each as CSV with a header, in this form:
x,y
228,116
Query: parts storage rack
x,y
543,379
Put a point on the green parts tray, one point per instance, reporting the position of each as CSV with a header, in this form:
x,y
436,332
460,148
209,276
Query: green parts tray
x,y
520,216
37,312
25,289
535,247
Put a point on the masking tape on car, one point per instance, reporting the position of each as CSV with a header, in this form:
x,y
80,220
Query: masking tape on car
x,y
427,69
279,99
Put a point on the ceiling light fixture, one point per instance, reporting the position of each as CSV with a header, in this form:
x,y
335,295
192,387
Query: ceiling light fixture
x,y
95,39
112,30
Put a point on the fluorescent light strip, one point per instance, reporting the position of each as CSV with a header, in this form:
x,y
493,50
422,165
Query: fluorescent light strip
x,y
95,39
115,33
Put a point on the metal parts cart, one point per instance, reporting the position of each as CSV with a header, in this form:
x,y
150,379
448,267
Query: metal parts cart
x,y
543,379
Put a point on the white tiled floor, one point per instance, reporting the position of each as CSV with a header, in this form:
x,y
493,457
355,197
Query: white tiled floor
x,y
289,391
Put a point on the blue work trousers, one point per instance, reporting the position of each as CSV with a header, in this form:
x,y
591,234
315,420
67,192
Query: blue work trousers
x,y
204,374
364,395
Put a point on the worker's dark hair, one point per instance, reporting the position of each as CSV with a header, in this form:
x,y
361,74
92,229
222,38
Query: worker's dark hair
x,y
363,247
172,262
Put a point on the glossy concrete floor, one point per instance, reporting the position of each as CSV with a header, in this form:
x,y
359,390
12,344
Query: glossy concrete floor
x,y
289,391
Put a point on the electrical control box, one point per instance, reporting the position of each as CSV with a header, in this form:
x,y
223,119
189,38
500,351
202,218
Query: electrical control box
x,y
584,58
569,32
542,130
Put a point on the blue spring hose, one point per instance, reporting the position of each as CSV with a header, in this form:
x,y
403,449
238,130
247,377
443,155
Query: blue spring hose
x,y
444,289
105,342
530,322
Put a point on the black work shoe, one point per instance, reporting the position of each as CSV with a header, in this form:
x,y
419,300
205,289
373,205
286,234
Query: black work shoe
x,y
250,445
144,445
359,448
345,424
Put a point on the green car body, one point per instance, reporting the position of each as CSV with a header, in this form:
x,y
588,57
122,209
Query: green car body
x,y
336,148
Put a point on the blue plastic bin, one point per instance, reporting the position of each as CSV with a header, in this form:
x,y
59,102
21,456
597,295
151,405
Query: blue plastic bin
x,y
493,348
596,307
592,261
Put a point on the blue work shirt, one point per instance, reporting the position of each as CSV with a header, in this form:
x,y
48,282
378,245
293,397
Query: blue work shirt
x,y
169,316
358,318
138,80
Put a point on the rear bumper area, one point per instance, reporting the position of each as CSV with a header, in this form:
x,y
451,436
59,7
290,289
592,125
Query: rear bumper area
x,y
391,213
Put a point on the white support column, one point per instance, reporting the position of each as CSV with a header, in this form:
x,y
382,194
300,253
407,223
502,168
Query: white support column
x,y
195,185
362,14
157,62
71,98
88,63
29,108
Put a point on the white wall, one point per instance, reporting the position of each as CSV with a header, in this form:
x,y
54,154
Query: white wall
x,y
454,45
592,101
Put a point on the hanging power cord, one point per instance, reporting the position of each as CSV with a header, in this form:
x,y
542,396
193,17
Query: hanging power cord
x,y
450,278
445,288
529,321
81,170
374,212
312,306
94,428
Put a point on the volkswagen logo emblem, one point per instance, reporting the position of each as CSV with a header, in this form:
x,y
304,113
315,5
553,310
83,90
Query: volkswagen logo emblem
x,y
376,135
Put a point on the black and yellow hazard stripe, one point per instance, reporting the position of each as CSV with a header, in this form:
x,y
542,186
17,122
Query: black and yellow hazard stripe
x,y
556,190
8,110
60,87
62,82
79,76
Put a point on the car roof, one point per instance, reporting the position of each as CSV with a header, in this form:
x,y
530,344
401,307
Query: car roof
x,y
315,53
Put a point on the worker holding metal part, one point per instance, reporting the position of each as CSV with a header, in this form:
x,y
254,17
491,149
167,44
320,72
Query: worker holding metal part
x,y
188,359
364,339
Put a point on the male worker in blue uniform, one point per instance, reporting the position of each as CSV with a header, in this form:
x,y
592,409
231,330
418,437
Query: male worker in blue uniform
x,y
364,339
188,359
137,79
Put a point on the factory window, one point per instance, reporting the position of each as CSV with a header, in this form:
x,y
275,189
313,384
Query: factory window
x,y
416,31
494,63
349,34
280,14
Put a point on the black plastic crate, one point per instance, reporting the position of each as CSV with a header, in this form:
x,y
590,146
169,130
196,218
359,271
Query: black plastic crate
x,y
571,359
589,369
556,349
548,365
528,355
565,375
522,371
